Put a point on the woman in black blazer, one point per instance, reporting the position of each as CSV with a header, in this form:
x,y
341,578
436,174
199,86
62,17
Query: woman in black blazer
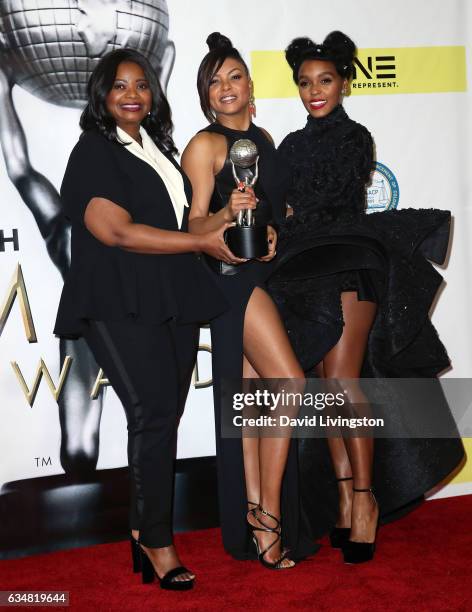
x,y
135,290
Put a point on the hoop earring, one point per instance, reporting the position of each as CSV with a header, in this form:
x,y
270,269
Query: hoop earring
x,y
252,103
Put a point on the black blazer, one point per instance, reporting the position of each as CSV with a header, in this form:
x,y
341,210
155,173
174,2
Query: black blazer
x,y
109,283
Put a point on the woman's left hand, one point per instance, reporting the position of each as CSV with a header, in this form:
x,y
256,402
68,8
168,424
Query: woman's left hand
x,y
272,242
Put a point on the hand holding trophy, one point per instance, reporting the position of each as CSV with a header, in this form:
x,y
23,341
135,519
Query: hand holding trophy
x,y
246,240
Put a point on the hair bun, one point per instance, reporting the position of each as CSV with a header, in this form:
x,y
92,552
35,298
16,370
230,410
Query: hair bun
x,y
337,48
341,46
218,41
297,48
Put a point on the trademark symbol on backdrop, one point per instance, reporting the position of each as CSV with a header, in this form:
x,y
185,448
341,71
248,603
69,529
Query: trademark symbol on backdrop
x,y
42,461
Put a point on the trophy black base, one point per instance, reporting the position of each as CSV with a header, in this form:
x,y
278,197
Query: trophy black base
x,y
247,242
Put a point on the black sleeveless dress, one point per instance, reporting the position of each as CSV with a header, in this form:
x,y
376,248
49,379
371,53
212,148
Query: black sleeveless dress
x,y
237,284
330,245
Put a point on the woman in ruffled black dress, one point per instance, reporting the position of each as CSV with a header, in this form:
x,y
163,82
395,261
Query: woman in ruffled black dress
x,y
355,291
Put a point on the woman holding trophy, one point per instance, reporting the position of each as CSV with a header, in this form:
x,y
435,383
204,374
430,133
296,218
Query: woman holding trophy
x,y
232,167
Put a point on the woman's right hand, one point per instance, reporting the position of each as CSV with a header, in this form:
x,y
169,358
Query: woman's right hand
x,y
238,201
213,243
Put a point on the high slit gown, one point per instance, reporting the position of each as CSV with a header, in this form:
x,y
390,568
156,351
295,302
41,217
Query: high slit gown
x,y
238,283
330,245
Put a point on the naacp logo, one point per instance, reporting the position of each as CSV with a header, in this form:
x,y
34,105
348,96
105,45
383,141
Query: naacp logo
x,y
383,192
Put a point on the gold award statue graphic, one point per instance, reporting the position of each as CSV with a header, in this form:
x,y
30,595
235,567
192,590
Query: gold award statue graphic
x,y
49,48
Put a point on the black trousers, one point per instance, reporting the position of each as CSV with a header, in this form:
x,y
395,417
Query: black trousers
x,y
150,368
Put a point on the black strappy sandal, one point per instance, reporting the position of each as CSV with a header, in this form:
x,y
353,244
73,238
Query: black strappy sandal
x,y
338,536
167,581
360,552
276,565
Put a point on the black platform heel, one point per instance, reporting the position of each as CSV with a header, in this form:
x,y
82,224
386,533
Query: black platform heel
x,y
276,565
166,582
135,554
338,536
360,552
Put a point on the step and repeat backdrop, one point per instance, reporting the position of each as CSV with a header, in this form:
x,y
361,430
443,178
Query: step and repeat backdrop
x,y
57,415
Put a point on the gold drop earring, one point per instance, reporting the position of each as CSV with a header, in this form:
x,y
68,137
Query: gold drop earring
x,y
252,101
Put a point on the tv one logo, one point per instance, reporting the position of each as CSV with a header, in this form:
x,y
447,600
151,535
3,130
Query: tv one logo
x,y
375,71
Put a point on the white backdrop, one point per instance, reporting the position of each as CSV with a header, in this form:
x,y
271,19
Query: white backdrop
x,y
424,138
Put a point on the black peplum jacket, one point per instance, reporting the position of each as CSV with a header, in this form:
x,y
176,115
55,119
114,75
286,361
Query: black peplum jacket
x,y
110,283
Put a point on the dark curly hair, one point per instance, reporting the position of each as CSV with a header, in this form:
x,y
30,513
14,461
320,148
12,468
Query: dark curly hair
x,y
95,116
336,47
221,48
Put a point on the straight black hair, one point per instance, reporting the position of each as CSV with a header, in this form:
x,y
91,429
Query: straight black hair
x,y
95,116
221,48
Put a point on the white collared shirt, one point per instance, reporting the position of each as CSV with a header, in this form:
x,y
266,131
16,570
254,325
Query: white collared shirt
x,y
169,174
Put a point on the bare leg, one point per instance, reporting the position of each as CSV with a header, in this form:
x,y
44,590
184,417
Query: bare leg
x,y
342,469
345,361
251,453
268,350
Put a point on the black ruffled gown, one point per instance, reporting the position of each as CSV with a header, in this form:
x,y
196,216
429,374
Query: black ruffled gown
x,y
330,245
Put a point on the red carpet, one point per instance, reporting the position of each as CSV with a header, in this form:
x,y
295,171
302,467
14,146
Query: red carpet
x,y
423,562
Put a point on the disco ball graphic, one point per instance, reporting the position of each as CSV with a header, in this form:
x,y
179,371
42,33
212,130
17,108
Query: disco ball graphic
x,y
52,46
